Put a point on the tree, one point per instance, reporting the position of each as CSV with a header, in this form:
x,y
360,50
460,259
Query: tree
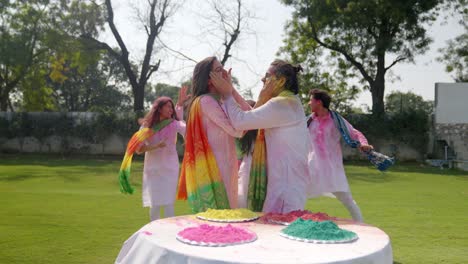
x,y
23,25
365,34
226,22
158,13
223,23
455,55
332,76
92,86
162,89
398,102
32,34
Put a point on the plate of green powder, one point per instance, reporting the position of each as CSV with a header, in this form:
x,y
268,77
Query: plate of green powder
x,y
326,232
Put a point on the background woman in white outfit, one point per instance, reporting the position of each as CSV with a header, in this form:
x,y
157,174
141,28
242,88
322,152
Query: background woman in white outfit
x,y
161,165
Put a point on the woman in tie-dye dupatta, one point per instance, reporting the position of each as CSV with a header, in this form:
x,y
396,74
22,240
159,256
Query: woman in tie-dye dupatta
x,y
161,165
208,177
279,172
157,139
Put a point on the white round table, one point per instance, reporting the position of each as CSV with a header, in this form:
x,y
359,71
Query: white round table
x,y
156,243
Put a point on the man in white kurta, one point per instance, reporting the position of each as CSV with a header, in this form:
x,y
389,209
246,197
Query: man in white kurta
x,y
287,143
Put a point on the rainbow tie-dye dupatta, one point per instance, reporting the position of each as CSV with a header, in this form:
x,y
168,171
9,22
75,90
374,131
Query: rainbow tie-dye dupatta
x,y
200,181
133,144
258,180
258,174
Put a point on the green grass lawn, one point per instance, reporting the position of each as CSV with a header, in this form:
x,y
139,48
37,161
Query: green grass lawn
x,y
56,210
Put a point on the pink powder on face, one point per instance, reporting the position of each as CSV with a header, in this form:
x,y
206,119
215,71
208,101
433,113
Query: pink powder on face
x,y
216,234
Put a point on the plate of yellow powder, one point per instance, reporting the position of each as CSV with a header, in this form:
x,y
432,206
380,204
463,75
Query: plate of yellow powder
x,y
228,215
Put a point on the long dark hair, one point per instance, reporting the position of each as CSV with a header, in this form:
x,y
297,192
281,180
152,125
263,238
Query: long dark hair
x,y
248,139
200,77
153,116
285,69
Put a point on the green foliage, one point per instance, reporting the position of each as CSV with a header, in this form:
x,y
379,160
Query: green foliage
x,y
36,42
37,95
408,127
42,125
4,129
24,25
398,102
94,128
358,36
321,70
20,125
87,81
455,55
162,89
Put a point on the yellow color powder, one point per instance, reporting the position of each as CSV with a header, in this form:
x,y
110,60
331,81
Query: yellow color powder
x,y
240,213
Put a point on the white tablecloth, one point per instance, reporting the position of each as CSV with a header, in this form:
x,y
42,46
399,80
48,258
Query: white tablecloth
x,y
156,243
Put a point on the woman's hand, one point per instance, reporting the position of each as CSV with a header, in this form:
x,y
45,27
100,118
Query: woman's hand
x,y
160,144
144,148
182,95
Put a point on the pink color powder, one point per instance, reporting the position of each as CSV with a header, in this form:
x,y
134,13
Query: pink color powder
x,y
318,217
287,218
293,215
216,234
320,133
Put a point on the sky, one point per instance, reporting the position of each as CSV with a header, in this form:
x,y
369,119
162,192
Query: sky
x,y
189,33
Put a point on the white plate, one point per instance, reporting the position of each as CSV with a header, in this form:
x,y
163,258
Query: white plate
x,y
278,222
210,244
320,241
228,220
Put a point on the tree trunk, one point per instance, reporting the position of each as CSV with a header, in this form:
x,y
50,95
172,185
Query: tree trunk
x,y
139,98
3,103
377,89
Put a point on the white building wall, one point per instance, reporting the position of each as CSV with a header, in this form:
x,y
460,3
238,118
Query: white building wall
x,y
451,103
451,119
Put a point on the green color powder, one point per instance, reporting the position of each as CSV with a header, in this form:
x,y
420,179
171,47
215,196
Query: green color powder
x,y
326,230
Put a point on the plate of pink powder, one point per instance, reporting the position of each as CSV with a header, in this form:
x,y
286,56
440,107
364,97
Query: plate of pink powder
x,y
215,236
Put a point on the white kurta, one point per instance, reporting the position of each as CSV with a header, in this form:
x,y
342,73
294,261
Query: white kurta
x,y
288,145
328,173
161,167
244,176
